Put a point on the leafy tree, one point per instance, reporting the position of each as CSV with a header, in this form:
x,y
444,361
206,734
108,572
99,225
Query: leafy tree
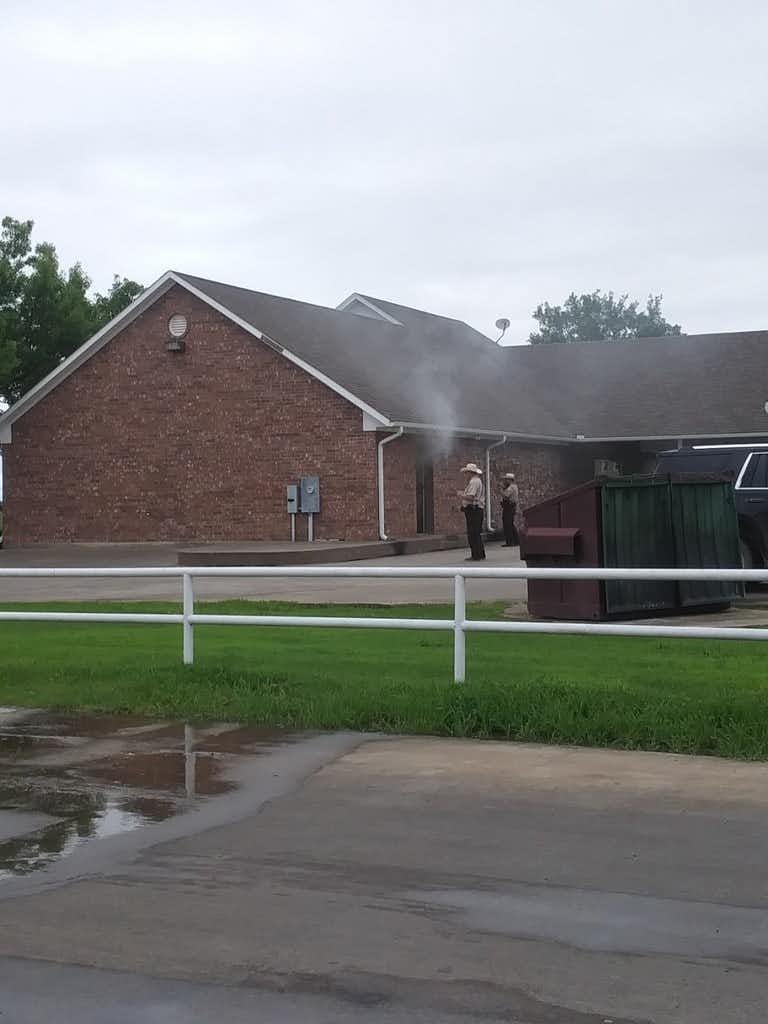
x,y
121,293
45,313
600,315
14,258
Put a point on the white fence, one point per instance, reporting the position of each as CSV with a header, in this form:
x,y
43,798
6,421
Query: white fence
x,y
459,625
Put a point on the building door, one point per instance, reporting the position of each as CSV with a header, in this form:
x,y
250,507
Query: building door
x,y
425,497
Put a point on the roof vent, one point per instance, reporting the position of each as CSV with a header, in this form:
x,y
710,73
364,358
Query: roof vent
x,y
177,328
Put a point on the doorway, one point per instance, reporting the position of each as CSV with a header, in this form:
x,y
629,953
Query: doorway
x,y
425,497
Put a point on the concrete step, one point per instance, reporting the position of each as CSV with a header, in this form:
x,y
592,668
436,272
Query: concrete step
x,y
320,553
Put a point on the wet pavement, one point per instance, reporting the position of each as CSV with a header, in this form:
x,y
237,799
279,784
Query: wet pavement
x,y
347,877
67,780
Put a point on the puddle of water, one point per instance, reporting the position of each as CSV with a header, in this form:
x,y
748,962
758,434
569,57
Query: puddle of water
x,y
50,795
25,854
149,808
152,771
246,739
23,745
81,814
89,726
189,774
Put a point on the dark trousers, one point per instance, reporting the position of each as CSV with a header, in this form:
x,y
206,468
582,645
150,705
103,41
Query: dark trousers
x,y
474,518
508,510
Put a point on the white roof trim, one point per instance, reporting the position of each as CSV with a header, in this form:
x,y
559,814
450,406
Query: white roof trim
x,y
357,297
86,350
583,439
565,438
373,422
510,435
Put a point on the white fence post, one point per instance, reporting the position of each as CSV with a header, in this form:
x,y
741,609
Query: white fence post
x,y
188,593
459,637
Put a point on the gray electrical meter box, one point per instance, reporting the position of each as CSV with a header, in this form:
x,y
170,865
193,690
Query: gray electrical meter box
x,y
309,494
292,498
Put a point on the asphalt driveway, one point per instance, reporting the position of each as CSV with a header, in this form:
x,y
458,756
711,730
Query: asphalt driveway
x,y
351,877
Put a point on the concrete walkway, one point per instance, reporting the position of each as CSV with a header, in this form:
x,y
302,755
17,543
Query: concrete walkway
x,y
423,880
342,591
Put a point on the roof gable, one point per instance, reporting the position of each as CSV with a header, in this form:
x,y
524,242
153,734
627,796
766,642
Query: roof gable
x,y
362,306
83,353
135,309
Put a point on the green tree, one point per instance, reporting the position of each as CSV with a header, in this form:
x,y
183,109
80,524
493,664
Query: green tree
x,y
600,316
121,293
14,258
45,313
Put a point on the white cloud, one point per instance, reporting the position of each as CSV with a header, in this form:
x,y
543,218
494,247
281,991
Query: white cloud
x,y
475,159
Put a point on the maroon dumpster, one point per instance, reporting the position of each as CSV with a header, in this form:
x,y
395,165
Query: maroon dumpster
x,y
632,522
564,532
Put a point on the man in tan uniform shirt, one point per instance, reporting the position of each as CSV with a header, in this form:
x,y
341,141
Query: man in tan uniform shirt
x,y
472,503
510,496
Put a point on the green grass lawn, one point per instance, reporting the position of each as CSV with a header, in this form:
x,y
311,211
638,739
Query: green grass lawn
x,y
690,696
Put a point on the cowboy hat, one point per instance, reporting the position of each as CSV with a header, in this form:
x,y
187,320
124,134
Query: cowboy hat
x,y
509,476
471,468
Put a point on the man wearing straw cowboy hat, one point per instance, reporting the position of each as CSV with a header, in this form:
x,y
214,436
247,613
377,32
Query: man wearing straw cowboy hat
x,y
472,500
510,496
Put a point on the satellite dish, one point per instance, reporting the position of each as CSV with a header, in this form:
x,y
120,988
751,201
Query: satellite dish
x,y
501,325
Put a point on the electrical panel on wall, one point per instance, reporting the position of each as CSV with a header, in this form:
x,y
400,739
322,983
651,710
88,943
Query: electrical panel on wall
x,y
309,494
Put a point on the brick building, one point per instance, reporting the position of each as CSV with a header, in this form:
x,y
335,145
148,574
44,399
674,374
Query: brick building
x,y
187,416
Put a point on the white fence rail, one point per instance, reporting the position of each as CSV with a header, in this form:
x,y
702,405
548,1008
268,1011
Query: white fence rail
x,y
459,625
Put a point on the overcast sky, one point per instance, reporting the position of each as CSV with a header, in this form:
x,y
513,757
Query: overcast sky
x,y
471,158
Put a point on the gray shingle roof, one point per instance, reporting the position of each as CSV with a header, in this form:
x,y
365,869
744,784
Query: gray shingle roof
x,y
430,370
692,385
436,370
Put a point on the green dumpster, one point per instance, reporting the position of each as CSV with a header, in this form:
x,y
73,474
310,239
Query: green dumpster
x,y
635,522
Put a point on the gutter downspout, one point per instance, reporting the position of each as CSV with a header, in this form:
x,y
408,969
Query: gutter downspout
x,y
380,471
496,444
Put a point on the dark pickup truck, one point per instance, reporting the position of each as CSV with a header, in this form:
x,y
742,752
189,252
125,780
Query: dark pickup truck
x,y
747,466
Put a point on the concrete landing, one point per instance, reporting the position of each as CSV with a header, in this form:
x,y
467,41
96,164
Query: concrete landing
x,y
309,591
318,553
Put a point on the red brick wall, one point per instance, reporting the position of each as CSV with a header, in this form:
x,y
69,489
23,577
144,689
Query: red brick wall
x,y
541,471
546,470
400,457
448,480
400,460
140,444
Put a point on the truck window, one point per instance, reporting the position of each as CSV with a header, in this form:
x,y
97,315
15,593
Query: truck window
x,y
756,473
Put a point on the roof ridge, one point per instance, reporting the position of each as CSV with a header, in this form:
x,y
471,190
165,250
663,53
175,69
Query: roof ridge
x,y
268,295
414,309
